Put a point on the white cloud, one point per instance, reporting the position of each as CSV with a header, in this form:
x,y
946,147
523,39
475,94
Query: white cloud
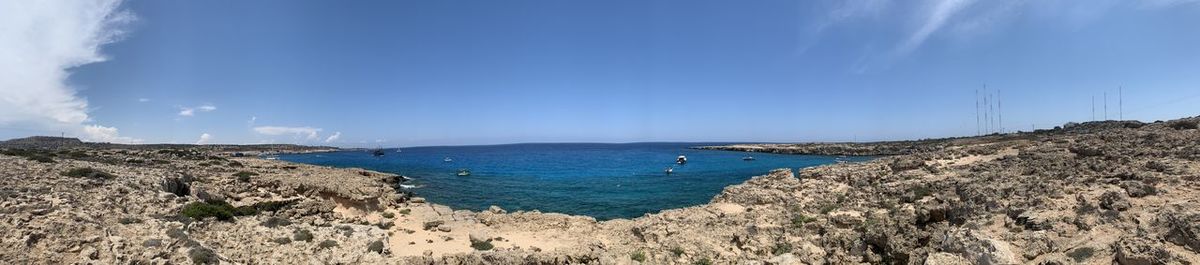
x,y
252,120
143,100
933,20
333,137
186,111
39,42
204,138
97,133
309,133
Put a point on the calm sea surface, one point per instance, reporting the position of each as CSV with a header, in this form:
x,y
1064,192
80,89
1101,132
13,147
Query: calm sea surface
x,y
605,181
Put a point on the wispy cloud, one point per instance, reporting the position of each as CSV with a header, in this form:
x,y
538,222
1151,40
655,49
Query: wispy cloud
x,y
99,133
191,111
934,19
204,139
39,42
309,133
333,137
143,100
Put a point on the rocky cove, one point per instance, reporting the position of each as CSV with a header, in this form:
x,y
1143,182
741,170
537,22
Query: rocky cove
x,y
1094,193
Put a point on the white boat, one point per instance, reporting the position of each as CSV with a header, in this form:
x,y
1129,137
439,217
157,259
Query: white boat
x,y
748,158
681,160
464,172
447,160
669,170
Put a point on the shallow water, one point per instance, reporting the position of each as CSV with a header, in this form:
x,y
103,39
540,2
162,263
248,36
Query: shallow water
x,y
605,181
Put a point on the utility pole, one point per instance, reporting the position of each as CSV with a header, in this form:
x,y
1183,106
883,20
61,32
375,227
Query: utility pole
x,y
1106,105
1121,102
1093,108
999,112
977,131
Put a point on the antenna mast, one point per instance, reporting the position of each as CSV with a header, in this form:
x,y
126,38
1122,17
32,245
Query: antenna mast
x,y
1121,102
1106,105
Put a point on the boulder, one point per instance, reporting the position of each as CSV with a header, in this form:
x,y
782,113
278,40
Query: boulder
x,y
177,184
1139,251
943,258
1114,200
478,236
1138,189
496,210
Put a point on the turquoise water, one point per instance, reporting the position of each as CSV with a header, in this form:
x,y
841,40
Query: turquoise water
x,y
605,181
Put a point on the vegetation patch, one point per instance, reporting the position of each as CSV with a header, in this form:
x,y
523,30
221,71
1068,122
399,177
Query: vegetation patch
x,y
638,256
200,255
1081,254
388,215
678,251
404,211
482,245
327,244
781,248
376,246
799,220
244,176
704,261
276,222
302,235
87,172
282,241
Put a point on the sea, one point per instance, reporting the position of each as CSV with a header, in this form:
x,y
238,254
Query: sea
x,y
605,181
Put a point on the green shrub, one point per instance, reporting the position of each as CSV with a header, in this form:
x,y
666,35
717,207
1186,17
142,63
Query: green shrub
x,y
376,246
87,172
781,248
200,255
235,164
1081,254
327,244
678,251
276,222
1184,125
282,241
40,159
828,208
200,210
405,211
302,235
704,261
798,220
387,215
482,245
385,225
638,256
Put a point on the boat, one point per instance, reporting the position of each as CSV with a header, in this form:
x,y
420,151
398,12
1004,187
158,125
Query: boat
x,y
447,160
464,172
377,152
748,158
681,160
670,170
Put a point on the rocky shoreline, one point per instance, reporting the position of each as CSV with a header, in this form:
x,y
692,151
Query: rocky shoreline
x,y
1092,193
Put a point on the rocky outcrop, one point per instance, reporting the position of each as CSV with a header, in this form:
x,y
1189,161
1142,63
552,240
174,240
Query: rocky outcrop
x,y
1092,193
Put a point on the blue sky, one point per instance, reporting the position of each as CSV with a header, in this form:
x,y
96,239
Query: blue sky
x,y
405,73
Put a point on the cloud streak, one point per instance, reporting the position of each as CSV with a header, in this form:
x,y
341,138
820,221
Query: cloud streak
x,y
39,42
309,133
186,111
333,137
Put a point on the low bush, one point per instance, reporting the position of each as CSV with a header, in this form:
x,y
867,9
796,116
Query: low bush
x,y
302,235
404,211
704,261
276,222
387,215
376,246
201,255
282,241
200,210
1081,254
1185,125
781,248
327,244
638,256
482,245
87,172
678,251
235,164
799,220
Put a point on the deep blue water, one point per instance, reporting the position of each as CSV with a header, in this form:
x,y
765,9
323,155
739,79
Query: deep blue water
x,y
605,181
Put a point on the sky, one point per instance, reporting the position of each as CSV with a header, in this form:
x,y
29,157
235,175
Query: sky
x,y
414,73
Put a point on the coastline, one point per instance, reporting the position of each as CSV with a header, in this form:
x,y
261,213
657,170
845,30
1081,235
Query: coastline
x,y
1045,198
